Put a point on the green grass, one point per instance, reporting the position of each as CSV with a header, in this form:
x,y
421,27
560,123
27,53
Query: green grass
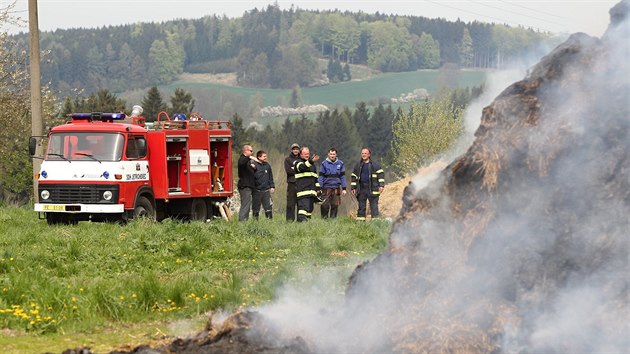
x,y
346,93
211,98
60,284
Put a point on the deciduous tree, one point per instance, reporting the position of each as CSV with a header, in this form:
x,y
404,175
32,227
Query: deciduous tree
x,y
424,132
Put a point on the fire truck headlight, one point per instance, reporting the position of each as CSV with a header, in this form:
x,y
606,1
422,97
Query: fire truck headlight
x,y
45,194
107,195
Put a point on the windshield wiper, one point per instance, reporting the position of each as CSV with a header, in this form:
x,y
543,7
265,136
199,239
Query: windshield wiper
x,y
88,155
60,155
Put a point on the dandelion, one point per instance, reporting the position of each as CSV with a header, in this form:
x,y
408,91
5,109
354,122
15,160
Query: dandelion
x,y
134,295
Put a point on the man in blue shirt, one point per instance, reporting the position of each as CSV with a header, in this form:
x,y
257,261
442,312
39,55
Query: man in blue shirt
x,y
332,180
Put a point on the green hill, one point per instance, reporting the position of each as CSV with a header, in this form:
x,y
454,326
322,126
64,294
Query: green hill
x,y
216,101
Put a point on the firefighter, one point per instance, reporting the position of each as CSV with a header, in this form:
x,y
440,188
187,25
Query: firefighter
x,y
289,168
306,184
368,182
332,179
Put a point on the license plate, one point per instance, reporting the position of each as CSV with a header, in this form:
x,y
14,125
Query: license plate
x,y
55,207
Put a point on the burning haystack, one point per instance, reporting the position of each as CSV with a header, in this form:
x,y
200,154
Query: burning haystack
x,y
518,245
521,244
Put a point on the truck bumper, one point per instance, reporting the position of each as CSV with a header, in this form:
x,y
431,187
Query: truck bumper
x,y
80,208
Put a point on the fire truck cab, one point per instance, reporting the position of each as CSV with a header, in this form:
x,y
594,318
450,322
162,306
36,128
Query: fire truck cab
x,y
105,166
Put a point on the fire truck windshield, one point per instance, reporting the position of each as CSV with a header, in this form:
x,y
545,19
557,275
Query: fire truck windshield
x,y
85,146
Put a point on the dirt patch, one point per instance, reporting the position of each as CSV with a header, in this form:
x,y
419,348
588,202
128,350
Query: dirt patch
x,y
222,79
391,201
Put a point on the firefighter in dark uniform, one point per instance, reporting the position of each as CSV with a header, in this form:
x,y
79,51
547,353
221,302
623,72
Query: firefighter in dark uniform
x,y
306,183
368,182
289,168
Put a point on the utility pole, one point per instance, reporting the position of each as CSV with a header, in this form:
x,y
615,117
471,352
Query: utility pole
x,y
37,125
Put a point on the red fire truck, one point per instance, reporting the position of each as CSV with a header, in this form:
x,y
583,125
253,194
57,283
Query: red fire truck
x,y
106,166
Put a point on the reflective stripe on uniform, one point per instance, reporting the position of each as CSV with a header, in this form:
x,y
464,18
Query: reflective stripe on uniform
x,y
355,176
380,171
305,174
306,193
374,175
353,183
361,218
376,192
381,180
304,212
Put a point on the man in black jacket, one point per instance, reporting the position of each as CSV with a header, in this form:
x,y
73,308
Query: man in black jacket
x,y
368,182
246,181
264,186
289,168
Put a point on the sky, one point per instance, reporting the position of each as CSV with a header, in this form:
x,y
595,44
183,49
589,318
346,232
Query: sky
x,y
557,16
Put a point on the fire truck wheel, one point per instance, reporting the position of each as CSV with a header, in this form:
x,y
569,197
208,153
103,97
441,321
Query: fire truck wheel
x,y
144,208
198,210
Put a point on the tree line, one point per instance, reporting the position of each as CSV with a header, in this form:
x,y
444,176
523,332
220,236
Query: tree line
x,y
403,139
270,48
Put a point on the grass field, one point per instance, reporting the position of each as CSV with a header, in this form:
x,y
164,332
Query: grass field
x,y
109,285
211,97
348,93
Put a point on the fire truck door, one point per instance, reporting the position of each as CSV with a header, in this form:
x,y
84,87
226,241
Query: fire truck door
x,y
177,168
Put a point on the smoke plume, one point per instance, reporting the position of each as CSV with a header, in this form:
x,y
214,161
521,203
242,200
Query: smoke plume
x,y
521,243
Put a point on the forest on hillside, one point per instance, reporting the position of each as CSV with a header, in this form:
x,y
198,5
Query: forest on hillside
x,y
270,48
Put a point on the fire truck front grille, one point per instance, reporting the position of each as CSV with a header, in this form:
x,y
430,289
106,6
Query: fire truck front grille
x,y
78,194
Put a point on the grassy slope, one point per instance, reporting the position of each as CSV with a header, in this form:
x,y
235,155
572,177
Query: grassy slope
x,y
62,285
346,93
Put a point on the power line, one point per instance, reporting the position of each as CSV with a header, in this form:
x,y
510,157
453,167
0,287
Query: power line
x,y
517,13
478,14
533,10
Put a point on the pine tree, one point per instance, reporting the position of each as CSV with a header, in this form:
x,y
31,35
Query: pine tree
x,y
380,132
152,104
67,108
296,97
102,101
346,72
239,135
466,49
331,73
360,119
182,102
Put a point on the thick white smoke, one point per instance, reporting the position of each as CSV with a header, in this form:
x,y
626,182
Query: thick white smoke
x,y
540,263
